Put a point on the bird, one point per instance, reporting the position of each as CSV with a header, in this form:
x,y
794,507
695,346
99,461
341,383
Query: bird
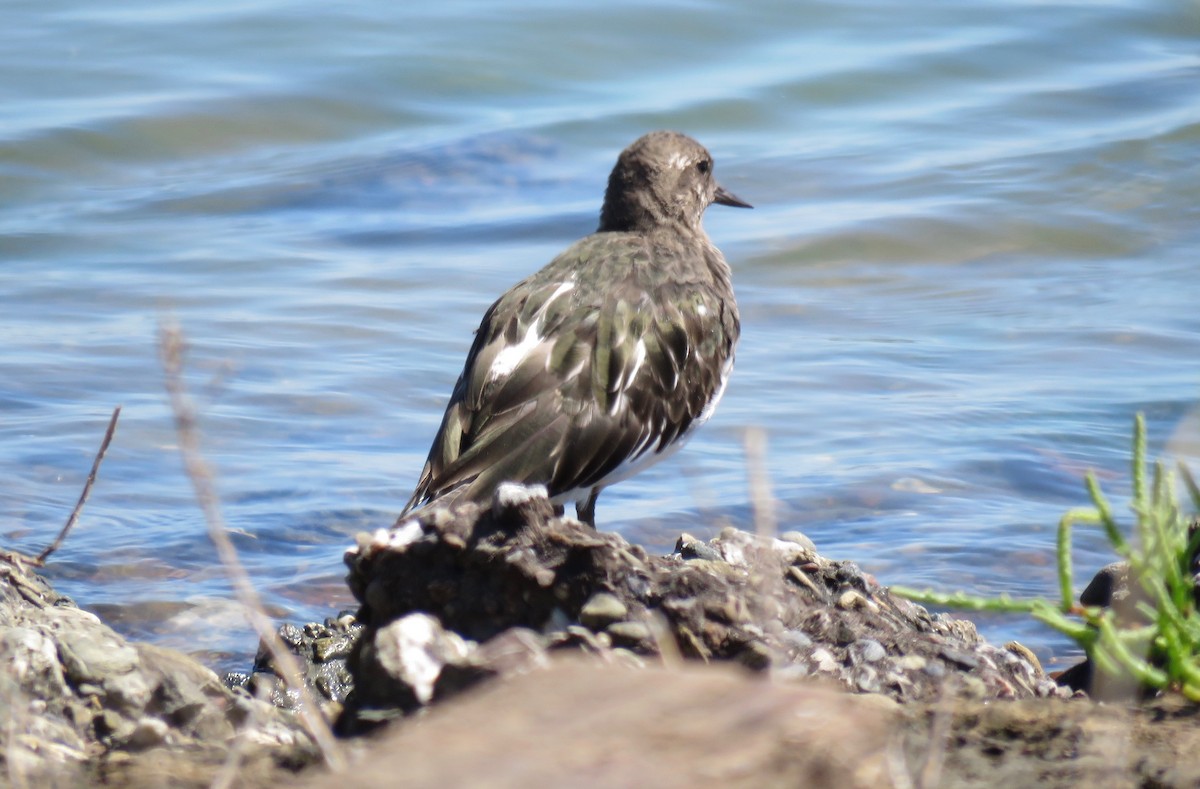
x,y
606,360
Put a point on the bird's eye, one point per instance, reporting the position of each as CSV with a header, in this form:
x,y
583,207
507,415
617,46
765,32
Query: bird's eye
x,y
703,165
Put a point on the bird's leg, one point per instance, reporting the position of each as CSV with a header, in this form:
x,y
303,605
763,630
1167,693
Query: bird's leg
x,y
586,510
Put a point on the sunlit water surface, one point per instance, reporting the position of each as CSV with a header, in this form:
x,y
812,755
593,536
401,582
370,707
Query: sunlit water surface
x,y
973,259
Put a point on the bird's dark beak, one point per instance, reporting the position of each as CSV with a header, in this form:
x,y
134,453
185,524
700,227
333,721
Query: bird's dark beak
x,y
724,197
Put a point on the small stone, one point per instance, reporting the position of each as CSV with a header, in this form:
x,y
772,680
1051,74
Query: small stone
x,y
637,585
911,662
852,600
867,680
93,656
236,679
32,659
131,690
577,635
147,733
330,648
800,538
689,547
624,657
974,687
602,610
265,685
849,574
797,638
629,633
790,672
800,577
824,660
109,725
1025,653
412,652
558,621
870,651
961,658
879,703
756,656
292,635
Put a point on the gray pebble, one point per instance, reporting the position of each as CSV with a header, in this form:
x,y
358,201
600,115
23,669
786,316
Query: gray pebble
x,y
870,650
800,538
628,633
602,610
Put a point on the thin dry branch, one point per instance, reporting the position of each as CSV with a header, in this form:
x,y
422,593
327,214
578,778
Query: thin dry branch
x,y
171,352
87,490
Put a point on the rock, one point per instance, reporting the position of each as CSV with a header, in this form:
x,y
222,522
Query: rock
x,y
713,725
630,634
799,538
601,610
104,711
408,656
323,650
481,571
81,700
604,725
869,650
688,547
414,661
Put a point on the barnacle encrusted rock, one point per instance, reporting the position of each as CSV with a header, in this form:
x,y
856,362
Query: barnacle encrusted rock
x,y
770,604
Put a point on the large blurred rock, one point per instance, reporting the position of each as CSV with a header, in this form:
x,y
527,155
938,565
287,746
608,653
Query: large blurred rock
x,y
580,723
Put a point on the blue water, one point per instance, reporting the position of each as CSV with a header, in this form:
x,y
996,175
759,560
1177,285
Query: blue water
x,y
974,256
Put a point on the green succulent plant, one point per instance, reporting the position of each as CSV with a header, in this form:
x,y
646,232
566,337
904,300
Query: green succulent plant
x,y
1156,639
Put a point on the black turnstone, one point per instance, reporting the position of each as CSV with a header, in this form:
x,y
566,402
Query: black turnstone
x,y
606,360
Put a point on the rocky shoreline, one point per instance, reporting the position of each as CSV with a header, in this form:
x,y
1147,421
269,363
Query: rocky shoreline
x,y
510,644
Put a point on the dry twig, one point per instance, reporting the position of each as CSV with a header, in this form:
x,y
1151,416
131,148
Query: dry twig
x,y
171,351
87,490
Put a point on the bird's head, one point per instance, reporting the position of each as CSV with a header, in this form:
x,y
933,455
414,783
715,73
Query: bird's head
x,y
663,178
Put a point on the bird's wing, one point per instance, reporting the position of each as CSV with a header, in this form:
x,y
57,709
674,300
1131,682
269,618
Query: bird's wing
x,y
570,379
